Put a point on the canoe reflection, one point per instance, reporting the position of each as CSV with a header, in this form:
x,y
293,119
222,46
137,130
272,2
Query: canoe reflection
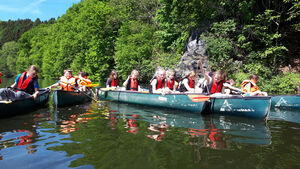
x,y
69,118
211,131
21,131
285,115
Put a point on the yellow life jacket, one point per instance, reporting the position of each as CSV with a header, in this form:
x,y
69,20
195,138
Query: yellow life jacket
x,y
66,84
253,87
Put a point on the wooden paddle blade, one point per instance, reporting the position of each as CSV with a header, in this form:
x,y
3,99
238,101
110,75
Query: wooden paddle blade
x,y
198,97
92,85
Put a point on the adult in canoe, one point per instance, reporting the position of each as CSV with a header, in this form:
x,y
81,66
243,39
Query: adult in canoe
x,y
132,82
26,85
250,87
66,82
113,80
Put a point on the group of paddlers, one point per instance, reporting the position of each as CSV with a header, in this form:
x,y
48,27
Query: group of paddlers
x,y
164,82
26,84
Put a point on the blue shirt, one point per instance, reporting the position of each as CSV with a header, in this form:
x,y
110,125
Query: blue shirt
x,y
36,83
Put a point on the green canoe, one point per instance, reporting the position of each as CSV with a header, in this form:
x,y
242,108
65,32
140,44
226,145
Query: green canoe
x,y
286,101
189,102
10,108
249,106
67,98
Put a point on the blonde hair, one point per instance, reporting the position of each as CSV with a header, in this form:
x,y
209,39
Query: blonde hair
x,y
134,71
170,72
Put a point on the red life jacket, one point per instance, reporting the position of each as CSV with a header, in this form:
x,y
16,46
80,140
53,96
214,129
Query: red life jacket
x,y
160,83
133,84
170,84
27,84
215,87
191,82
114,83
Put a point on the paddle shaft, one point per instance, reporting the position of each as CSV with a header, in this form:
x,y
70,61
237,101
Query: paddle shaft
x,y
83,93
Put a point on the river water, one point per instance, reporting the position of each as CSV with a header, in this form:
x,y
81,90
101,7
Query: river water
x,y
121,136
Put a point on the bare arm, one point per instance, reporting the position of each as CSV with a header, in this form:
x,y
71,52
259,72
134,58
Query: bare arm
x,y
186,85
207,78
14,85
126,82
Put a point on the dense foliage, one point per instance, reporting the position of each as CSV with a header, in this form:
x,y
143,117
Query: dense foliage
x,y
242,37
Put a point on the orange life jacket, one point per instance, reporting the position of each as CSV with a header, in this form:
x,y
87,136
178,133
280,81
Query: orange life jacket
x,y
253,87
83,81
66,84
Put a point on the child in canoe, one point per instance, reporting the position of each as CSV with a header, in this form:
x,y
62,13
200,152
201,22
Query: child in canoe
x,y
113,80
214,80
188,83
250,87
66,82
26,85
132,83
230,89
83,81
158,83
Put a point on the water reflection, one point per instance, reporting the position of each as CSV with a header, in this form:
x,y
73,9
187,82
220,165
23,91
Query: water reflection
x,y
285,115
21,131
210,131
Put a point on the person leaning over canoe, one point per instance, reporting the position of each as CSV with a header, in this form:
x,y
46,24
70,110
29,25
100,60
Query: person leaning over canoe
x,y
83,80
112,81
188,83
230,89
214,80
158,83
132,82
66,82
250,87
26,85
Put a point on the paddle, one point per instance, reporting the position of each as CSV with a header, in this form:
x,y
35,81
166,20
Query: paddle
x,y
108,88
83,93
5,102
92,85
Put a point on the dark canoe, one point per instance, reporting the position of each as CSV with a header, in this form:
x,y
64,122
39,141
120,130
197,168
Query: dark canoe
x,y
67,98
249,106
285,101
189,102
24,105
